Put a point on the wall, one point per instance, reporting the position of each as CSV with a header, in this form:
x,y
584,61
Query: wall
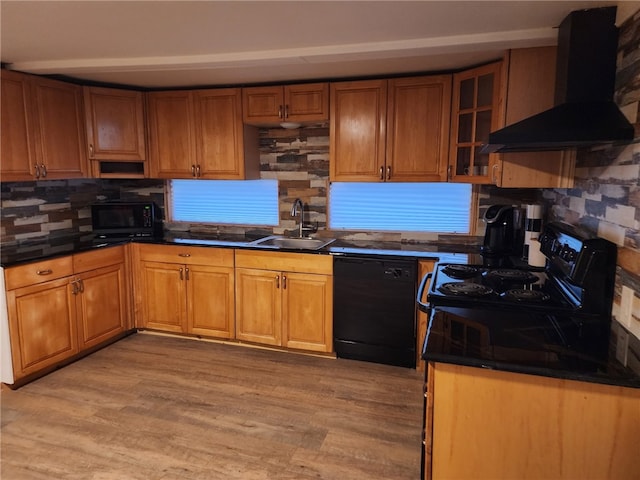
x,y
31,210
605,199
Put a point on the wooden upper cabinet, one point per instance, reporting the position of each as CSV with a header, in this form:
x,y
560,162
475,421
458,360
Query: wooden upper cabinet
x,y
221,136
418,128
395,130
199,134
115,124
171,135
357,130
18,156
59,126
477,109
42,129
265,106
530,86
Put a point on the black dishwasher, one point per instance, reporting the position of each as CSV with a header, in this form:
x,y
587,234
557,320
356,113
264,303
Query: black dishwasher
x,y
374,316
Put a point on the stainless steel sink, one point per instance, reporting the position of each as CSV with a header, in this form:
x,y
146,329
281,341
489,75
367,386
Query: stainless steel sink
x,y
304,243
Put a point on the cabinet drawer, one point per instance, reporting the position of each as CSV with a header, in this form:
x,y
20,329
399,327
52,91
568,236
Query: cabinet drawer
x,y
219,257
285,262
38,272
102,257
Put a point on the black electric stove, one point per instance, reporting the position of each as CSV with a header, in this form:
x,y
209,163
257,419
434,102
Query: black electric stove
x,y
557,317
578,277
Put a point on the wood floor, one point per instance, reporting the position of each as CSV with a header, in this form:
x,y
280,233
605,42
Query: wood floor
x,y
152,407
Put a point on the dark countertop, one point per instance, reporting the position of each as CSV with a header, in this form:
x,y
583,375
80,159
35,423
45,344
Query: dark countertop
x,y
524,343
13,255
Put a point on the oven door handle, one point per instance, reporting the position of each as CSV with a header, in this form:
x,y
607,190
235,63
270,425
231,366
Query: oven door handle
x,y
423,307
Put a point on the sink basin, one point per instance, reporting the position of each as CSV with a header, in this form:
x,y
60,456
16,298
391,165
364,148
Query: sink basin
x,y
304,243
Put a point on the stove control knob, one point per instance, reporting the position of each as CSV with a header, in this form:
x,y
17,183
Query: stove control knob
x,y
564,253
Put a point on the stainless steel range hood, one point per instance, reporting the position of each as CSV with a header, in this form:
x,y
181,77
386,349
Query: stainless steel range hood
x,y
585,113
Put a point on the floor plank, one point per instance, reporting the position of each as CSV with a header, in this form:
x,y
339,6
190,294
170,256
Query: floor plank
x,y
156,407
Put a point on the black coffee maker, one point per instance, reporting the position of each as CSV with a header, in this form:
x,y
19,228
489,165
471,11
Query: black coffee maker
x,y
504,234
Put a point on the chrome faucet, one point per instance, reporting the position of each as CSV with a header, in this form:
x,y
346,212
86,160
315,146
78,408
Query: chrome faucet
x,y
298,207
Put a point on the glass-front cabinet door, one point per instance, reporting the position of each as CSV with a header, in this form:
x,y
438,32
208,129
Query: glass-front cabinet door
x,y
477,110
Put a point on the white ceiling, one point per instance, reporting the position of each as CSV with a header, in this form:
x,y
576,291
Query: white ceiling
x,y
188,43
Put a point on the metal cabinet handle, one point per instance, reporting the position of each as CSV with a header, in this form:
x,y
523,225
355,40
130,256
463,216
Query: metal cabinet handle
x,y
181,274
388,172
37,168
280,111
43,169
81,285
186,273
48,271
184,255
494,174
286,111
198,170
74,287
449,172
277,281
284,281
193,170
381,173
91,150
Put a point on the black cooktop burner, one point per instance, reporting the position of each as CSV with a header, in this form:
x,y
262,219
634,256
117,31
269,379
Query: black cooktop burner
x,y
460,271
467,289
525,295
511,275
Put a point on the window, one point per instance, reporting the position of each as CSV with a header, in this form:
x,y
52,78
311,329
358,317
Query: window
x,y
239,202
411,207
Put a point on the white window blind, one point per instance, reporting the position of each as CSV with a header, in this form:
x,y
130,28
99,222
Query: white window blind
x,y
240,202
412,207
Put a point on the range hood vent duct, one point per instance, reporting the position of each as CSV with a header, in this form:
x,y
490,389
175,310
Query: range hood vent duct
x,y
585,113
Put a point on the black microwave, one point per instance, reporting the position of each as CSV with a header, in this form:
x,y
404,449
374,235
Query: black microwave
x,y
126,220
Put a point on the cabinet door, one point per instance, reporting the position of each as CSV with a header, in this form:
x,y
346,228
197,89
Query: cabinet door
x,y
16,137
59,123
42,325
171,135
418,115
101,305
307,311
219,134
258,306
164,301
477,109
210,301
115,124
358,131
307,102
263,105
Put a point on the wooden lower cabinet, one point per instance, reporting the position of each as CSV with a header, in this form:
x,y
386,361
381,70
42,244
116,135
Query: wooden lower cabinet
x,y
291,308
61,307
102,305
490,424
42,325
186,290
